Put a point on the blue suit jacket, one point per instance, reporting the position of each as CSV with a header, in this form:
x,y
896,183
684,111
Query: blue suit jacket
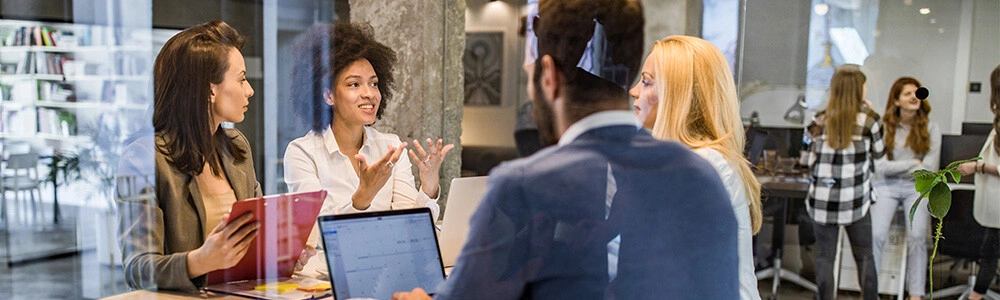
x,y
542,231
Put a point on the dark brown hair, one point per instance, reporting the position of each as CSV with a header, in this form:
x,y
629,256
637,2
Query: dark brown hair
x,y
183,74
336,45
563,29
995,105
919,138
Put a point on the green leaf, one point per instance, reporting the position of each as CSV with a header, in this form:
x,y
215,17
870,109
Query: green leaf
x,y
923,174
939,200
956,176
925,184
913,209
954,165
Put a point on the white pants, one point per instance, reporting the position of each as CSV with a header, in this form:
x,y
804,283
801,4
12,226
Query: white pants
x,y
894,193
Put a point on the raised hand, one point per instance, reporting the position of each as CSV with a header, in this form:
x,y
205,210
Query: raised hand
x,y
224,246
373,177
429,163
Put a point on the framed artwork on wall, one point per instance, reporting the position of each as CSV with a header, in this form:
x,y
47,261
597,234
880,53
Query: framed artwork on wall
x,y
483,59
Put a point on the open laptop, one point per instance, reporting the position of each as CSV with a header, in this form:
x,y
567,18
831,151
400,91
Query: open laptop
x,y
463,198
375,254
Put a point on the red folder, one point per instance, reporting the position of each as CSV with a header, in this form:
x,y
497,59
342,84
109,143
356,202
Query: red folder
x,y
285,223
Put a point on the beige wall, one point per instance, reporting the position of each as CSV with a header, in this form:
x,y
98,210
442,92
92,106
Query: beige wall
x,y
494,126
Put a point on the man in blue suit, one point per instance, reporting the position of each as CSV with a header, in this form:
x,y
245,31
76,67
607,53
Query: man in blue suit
x,y
607,212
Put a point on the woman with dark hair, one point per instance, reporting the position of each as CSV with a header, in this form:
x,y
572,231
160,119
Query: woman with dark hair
x,y
847,139
199,81
343,80
911,143
986,204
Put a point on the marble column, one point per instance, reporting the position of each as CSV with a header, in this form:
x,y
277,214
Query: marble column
x,y
429,39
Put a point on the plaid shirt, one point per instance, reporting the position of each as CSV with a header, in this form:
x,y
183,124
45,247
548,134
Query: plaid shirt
x,y
841,191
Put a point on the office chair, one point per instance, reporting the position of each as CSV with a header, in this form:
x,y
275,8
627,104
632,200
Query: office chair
x,y
963,237
24,179
756,139
527,141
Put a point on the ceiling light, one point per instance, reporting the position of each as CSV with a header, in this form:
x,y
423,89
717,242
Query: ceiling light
x,y
821,9
924,11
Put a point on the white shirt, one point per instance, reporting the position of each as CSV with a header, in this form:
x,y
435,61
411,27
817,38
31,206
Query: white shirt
x,y
986,204
314,162
741,206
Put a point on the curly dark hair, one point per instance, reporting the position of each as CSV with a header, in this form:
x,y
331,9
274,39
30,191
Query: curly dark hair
x,y
336,45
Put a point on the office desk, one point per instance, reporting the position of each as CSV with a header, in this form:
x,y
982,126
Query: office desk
x,y
785,190
144,294
165,295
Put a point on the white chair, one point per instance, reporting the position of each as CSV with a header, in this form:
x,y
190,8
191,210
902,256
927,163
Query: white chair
x,y
20,175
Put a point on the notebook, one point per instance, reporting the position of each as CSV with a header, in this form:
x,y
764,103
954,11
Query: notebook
x,y
285,223
375,254
463,198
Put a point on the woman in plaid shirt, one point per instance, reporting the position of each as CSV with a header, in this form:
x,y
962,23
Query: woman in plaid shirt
x,y
847,138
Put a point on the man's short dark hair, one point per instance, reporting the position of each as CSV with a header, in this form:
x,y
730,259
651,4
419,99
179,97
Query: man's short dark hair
x,y
564,27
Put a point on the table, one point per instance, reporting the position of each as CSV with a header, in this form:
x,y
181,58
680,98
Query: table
x,y
168,295
144,294
782,189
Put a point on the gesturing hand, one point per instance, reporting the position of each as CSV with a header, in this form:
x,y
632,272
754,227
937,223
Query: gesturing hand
x,y
968,168
224,246
429,163
374,176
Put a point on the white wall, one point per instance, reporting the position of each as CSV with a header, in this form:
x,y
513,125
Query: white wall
x,y
984,58
910,44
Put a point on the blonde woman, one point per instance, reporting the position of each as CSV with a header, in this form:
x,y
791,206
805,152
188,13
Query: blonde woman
x,y
687,95
847,139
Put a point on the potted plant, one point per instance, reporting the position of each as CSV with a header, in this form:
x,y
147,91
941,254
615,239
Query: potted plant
x,y
934,187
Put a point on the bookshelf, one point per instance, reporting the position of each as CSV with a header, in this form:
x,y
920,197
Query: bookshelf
x,y
62,83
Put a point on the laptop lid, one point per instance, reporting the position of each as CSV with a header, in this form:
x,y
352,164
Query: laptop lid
x,y
463,198
375,254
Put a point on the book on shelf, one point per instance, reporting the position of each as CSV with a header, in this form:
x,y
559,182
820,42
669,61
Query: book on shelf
x,y
56,91
55,121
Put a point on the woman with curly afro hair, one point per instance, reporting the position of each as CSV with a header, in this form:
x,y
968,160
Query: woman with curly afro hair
x,y
341,83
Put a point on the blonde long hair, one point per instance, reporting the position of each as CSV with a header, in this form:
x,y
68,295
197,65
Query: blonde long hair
x,y
846,97
701,109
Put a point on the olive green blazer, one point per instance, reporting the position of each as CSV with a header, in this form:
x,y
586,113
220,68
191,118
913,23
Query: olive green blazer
x,y
156,235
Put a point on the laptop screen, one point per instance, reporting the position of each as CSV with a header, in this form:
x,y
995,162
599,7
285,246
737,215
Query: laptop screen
x,y
375,254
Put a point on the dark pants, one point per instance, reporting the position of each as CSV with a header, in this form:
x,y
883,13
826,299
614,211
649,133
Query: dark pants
x,y
860,235
988,264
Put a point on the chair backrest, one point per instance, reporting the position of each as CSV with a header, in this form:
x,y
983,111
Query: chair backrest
x,y
958,147
756,138
527,141
22,161
962,234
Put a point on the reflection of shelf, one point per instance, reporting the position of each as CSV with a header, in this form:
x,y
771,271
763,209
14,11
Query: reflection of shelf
x,y
16,77
16,105
44,136
89,105
73,49
60,77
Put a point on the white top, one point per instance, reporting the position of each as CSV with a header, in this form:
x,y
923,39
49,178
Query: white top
x,y
986,207
314,162
741,206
